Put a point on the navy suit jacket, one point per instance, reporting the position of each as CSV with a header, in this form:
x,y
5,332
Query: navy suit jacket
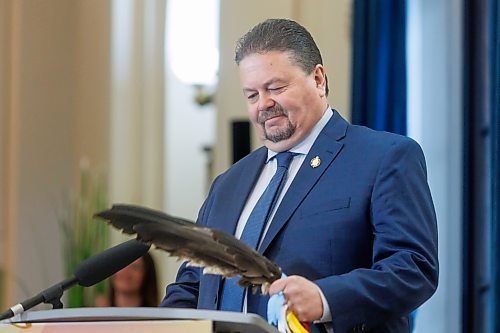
x,y
361,225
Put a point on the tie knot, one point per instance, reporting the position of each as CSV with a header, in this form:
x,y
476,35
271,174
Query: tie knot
x,y
284,158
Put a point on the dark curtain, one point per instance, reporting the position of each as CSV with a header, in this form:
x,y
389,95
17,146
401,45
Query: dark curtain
x,y
494,30
379,65
480,202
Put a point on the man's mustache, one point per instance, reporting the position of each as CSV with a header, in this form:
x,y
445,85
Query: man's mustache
x,y
270,113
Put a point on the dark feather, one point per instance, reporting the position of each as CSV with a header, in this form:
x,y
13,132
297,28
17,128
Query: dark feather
x,y
216,251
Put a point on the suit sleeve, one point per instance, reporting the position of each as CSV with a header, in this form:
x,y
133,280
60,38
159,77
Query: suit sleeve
x,y
404,271
184,292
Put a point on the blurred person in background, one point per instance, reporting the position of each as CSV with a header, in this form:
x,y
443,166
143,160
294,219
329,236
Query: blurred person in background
x,y
133,286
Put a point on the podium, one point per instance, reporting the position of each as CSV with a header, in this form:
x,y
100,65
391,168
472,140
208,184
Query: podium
x,y
150,320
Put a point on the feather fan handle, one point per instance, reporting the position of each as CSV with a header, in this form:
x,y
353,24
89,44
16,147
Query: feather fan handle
x,y
216,251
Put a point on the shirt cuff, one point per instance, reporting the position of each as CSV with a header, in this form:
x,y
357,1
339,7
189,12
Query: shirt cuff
x,y
327,316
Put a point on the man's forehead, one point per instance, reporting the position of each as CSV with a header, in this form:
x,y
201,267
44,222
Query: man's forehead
x,y
288,54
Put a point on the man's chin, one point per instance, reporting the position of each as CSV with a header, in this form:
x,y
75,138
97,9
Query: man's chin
x,y
277,134
279,146
277,138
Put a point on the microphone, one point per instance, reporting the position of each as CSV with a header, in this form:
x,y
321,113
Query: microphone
x,y
103,265
86,274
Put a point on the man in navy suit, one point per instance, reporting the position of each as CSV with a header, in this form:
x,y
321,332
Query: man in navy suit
x,y
354,227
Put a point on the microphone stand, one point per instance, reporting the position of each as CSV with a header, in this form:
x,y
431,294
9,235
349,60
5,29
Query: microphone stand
x,y
87,273
51,295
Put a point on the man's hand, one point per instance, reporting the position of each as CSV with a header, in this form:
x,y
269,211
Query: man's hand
x,y
302,297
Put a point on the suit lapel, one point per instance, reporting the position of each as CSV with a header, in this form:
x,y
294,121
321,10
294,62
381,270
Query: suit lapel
x,y
242,182
327,148
226,217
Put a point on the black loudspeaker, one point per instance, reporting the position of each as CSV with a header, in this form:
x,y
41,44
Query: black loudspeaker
x,y
240,132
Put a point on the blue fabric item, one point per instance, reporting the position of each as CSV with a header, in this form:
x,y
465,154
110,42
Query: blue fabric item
x,y
413,316
274,306
379,65
232,293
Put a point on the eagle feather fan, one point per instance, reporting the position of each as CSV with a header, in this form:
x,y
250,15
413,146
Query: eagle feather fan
x,y
215,251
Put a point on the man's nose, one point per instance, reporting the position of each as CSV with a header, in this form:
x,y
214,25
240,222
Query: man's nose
x,y
266,102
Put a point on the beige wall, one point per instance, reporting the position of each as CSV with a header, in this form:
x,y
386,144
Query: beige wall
x,y
329,23
55,96
92,83
39,142
4,17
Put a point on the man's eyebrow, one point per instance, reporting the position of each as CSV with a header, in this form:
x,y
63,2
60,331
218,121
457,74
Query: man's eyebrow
x,y
266,84
248,90
273,80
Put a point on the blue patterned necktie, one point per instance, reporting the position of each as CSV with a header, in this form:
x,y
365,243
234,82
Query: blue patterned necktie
x,y
232,294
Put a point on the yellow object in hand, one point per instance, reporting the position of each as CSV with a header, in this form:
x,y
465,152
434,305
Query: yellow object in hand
x,y
294,324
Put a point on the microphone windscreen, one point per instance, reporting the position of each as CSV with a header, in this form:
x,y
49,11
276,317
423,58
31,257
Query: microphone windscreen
x,y
108,262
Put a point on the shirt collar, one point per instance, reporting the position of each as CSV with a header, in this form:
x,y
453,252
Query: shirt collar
x,y
303,147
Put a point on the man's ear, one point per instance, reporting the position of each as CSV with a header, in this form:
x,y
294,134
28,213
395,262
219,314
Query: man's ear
x,y
320,79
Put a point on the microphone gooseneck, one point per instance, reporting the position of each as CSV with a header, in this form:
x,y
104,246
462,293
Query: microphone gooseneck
x,y
87,273
50,295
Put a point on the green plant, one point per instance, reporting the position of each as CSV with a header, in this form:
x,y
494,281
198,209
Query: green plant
x,y
82,235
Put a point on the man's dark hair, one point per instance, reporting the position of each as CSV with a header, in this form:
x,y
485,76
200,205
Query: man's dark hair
x,y
281,35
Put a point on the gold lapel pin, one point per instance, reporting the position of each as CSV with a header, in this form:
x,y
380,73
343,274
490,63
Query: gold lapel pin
x,y
315,162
